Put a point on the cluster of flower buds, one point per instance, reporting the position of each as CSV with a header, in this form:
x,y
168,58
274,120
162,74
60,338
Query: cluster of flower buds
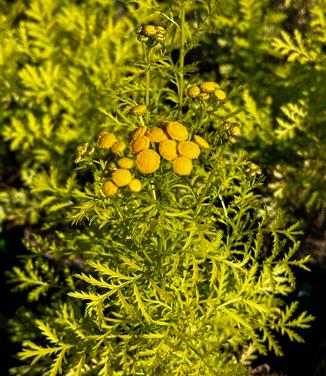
x,y
151,34
253,169
207,90
233,130
83,150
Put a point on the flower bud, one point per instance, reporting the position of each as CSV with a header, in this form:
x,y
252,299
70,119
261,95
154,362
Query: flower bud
x,y
203,96
235,130
82,148
193,91
139,110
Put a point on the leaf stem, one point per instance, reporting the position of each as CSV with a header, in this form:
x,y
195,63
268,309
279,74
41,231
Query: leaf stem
x,y
181,56
147,53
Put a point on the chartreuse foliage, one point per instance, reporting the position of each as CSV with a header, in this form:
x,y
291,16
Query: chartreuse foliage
x,y
57,58
277,52
183,273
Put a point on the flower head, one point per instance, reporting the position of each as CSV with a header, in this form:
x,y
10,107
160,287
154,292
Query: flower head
x,y
140,131
139,144
168,149
156,134
193,91
182,166
100,133
125,163
106,141
220,94
121,177
176,131
149,30
208,87
135,185
109,189
118,147
189,149
201,142
147,161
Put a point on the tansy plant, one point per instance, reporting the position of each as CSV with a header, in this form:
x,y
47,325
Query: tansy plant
x,y
180,270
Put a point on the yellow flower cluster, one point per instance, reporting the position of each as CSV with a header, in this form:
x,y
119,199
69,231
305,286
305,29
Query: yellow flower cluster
x,y
148,146
207,90
121,176
151,33
170,142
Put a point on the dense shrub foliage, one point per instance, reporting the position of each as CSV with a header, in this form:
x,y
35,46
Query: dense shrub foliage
x,y
161,153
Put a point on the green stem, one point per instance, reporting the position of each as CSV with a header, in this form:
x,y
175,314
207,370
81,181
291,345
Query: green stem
x,y
181,56
147,52
208,185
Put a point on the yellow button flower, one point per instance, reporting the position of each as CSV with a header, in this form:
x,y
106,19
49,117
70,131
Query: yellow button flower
x,y
149,30
107,140
100,133
121,177
109,189
139,144
189,149
176,131
135,185
194,91
168,149
119,147
139,110
126,163
182,166
140,131
220,94
208,87
201,142
147,161
156,135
